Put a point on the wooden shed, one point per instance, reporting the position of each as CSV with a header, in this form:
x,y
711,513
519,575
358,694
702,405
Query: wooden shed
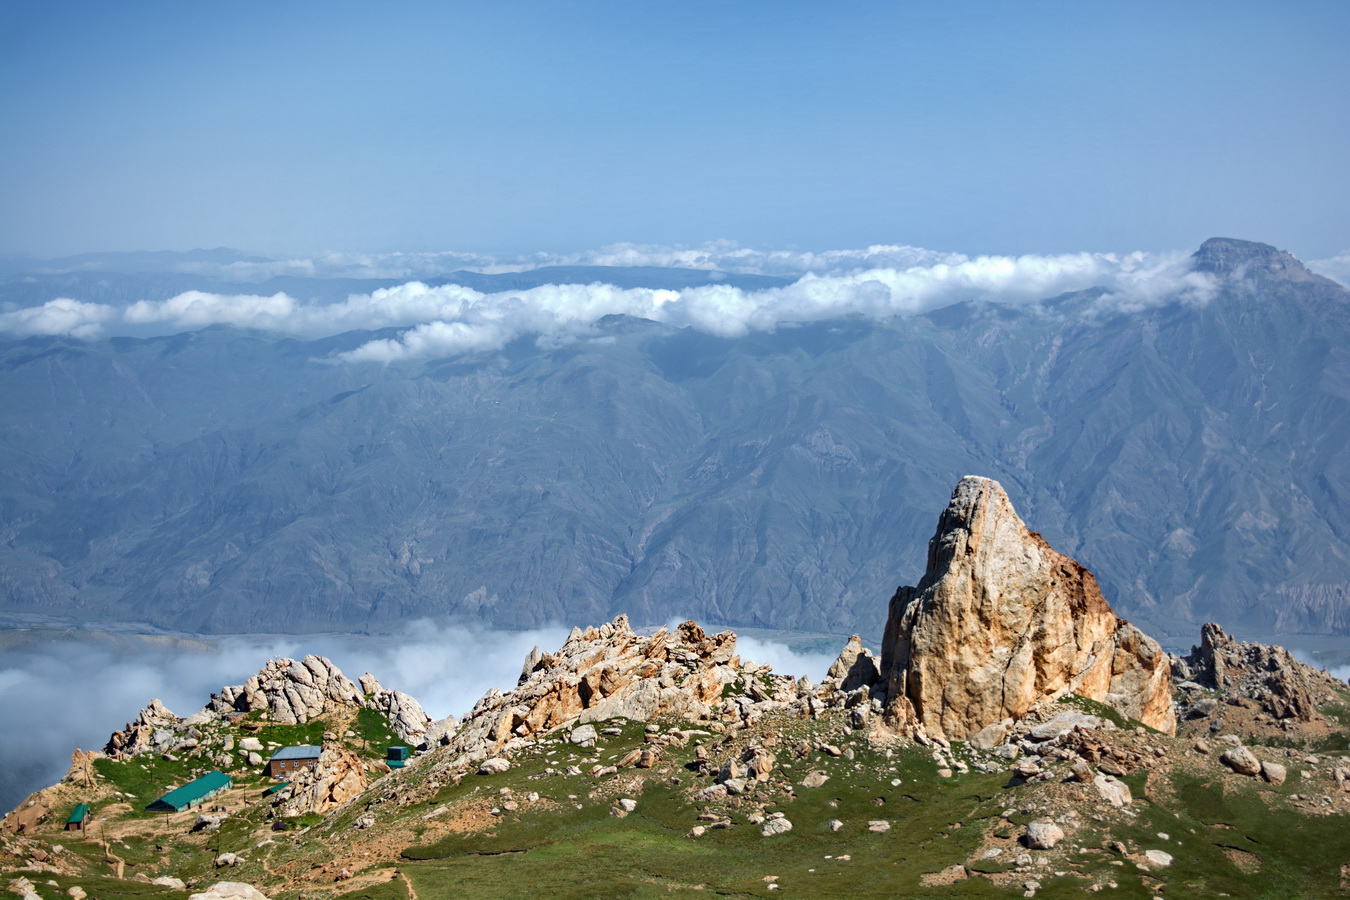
x,y
79,817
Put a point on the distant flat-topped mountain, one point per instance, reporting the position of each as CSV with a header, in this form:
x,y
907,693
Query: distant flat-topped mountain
x,y
1192,455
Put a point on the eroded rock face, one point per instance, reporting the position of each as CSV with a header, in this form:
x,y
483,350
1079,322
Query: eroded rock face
x,y
151,731
294,692
291,692
338,777
1284,687
1000,622
604,673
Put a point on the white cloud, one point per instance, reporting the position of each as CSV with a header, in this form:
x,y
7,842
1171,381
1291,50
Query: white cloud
x,y
61,316
194,309
1336,268
468,320
877,282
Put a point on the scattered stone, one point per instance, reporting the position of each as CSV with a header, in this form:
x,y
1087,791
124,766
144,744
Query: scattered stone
x,y
1063,724
776,826
696,831
228,859
1043,834
627,804
583,736
814,779
229,890
1158,857
1115,792
879,826
1241,760
988,737
834,824
1273,772
494,766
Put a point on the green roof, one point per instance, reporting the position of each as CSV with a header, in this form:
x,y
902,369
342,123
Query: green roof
x,y
193,792
79,813
276,787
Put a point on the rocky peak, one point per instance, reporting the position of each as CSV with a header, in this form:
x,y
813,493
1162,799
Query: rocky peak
x,y
1282,686
1001,623
1229,257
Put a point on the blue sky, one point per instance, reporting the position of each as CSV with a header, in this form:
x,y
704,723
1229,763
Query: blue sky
x,y
513,127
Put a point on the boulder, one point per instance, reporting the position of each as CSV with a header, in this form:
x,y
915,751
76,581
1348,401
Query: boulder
x,y
1241,760
1113,791
1063,724
494,766
229,890
775,826
1043,834
856,667
988,737
1000,623
1273,772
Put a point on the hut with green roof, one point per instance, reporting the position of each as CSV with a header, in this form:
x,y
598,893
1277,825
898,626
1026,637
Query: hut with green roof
x,y
79,817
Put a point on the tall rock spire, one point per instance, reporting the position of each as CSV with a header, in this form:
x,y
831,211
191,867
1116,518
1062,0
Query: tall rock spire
x,y
1001,622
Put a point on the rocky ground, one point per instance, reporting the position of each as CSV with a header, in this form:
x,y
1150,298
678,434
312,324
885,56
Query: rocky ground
x,y
639,765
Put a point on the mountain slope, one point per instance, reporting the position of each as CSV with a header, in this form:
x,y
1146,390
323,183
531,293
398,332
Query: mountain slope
x,y
1194,456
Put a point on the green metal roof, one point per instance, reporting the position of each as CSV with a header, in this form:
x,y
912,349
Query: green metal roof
x,y
193,792
79,813
276,787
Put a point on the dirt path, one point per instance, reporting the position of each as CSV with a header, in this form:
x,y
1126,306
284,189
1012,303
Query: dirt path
x,y
412,892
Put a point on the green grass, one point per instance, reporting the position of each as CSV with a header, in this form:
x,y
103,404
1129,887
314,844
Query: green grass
x,y
589,852
1299,855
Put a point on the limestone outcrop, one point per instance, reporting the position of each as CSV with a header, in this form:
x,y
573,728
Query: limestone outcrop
x,y
1282,686
338,777
404,713
290,692
153,730
1001,622
610,672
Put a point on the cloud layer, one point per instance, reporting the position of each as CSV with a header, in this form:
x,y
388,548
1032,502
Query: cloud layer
x,y
446,667
877,282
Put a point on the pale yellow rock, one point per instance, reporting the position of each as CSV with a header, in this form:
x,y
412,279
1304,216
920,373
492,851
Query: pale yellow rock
x,y
1000,622
338,777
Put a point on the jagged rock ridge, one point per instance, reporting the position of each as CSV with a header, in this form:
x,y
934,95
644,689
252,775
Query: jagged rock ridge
x,y
289,692
1000,623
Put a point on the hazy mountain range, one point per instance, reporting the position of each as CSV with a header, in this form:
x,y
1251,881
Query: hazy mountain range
x,y
1193,455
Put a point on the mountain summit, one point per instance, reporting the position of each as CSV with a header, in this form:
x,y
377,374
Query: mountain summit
x,y
1229,257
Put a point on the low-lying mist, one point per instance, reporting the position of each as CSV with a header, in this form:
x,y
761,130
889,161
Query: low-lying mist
x,y
73,690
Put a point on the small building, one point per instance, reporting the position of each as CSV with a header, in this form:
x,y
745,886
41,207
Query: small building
x,y
288,761
396,757
193,793
79,817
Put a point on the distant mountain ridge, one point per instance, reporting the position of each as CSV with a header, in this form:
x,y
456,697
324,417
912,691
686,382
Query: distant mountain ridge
x,y
1193,456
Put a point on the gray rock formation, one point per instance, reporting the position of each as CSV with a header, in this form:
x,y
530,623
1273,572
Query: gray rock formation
x,y
1000,623
1284,687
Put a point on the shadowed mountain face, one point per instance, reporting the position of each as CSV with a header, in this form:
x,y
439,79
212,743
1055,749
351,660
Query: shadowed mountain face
x,y
1193,457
